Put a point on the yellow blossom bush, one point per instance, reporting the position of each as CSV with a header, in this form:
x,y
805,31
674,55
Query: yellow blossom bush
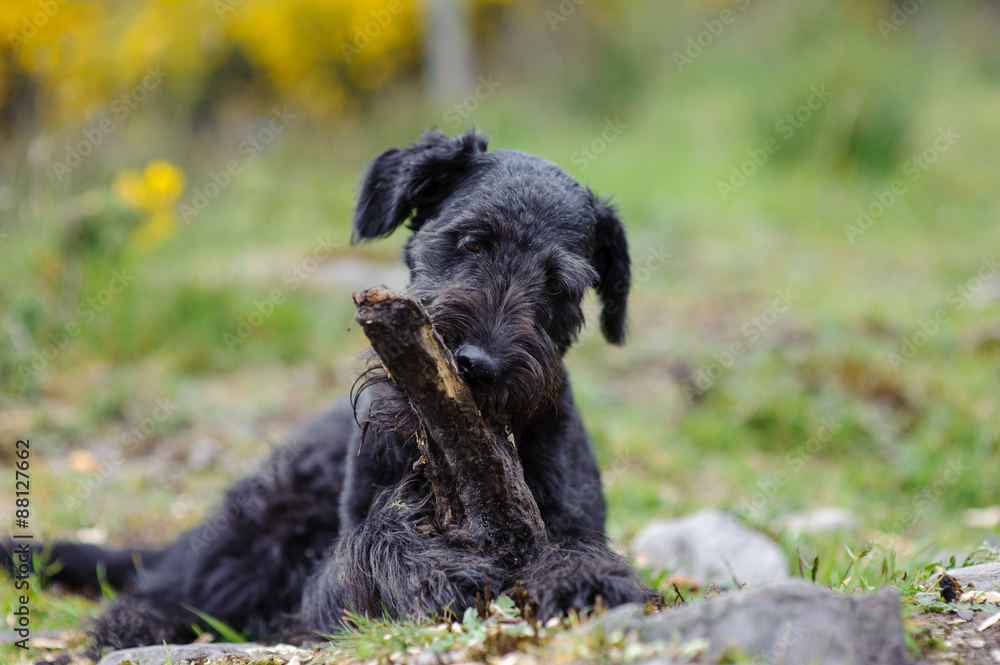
x,y
316,53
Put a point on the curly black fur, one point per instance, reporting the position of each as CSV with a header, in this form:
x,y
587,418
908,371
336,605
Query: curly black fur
x,y
504,246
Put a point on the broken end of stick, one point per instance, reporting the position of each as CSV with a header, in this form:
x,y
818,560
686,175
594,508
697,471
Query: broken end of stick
x,y
374,295
382,306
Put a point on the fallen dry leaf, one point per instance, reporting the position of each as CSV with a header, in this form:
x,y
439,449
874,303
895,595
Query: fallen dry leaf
x,y
82,461
981,597
989,622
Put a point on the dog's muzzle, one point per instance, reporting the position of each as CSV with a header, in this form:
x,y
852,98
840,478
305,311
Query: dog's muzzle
x,y
478,367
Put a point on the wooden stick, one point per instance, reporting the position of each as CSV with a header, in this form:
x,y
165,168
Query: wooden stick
x,y
476,473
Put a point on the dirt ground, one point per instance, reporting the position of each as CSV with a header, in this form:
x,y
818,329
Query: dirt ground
x,y
954,640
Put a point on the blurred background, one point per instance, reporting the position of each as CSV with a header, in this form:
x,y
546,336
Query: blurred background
x,y
810,191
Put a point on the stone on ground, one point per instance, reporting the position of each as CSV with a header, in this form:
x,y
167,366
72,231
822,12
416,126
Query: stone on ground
x,y
983,576
179,653
710,547
817,520
788,622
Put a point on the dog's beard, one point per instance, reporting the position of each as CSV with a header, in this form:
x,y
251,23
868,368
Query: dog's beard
x,y
531,370
529,385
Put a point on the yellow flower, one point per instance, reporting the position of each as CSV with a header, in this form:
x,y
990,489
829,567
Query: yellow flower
x,y
156,189
129,187
164,183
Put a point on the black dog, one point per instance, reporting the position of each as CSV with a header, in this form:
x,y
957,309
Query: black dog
x,y
504,246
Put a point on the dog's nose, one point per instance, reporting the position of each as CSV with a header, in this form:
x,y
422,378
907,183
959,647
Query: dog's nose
x,y
478,367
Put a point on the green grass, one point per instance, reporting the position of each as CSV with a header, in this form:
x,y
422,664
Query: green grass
x,y
495,630
915,444
55,612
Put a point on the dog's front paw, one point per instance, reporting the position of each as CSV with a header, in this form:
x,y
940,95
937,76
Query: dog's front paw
x,y
572,577
581,592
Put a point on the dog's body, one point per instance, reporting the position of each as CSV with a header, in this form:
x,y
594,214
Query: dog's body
x,y
504,246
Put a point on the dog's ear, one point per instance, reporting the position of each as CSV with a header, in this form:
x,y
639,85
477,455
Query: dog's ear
x,y
614,275
414,181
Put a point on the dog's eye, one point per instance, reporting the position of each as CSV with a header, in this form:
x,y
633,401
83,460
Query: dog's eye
x,y
473,246
554,287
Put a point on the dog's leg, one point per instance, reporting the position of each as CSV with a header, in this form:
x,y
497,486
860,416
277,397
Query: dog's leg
x,y
78,565
247,563
138,620
394,564
577,565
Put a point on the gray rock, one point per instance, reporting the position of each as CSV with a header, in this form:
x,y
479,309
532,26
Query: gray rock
x,y
178,653
624,618
787,622
984,576
817,520
711,547
982,518
427,658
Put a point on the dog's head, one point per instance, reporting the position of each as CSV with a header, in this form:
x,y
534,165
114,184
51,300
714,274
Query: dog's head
x,y
503,247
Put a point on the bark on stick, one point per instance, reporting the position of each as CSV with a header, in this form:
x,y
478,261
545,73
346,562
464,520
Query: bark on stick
x,y
476,473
